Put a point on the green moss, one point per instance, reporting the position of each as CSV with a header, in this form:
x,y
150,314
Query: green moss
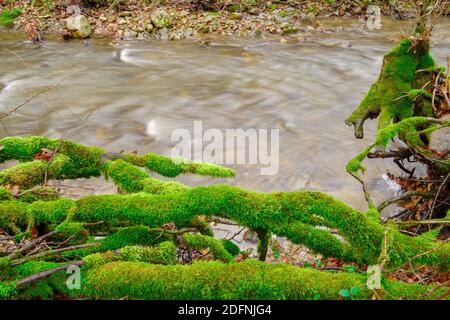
x,y
7,289
72,233
230,247
125,175
173,167
199,242
200,224
244,280
398,77
5,194
13,212
285,214
72,161
7,16
131,236
164,253
39,194
406,128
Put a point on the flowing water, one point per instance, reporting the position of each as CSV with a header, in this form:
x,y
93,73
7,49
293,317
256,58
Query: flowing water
x,y
133,95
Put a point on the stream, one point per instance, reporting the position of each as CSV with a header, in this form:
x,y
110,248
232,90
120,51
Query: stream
x,y
133,95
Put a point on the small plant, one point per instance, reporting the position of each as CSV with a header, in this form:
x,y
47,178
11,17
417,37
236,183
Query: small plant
x,y
283,14
312,294
351,294
276,249
7,17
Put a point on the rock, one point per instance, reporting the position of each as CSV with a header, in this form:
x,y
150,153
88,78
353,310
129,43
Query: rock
x,y
440,139
236,16
256,33
111,19
127,35
102,18
79,26
164,34
149,27
357,10
160,19
125,14
122,22
188,33
310,18
138,29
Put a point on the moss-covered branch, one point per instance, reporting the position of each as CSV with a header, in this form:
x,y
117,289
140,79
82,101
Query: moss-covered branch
x,y
287,214
44,159
245,280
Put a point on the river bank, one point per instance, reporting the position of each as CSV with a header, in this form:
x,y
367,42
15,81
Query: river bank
x,y
128,20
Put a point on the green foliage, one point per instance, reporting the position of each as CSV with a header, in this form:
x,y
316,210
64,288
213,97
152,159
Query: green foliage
x,y
7,16
351,294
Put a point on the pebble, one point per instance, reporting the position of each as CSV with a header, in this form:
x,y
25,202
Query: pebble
x,y
164,34
236,16
125,14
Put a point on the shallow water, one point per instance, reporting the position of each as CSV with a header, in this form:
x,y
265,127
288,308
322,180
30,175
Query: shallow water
x,y
133,95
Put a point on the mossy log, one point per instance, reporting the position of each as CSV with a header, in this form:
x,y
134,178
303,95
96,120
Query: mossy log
x,y
250,279
290,214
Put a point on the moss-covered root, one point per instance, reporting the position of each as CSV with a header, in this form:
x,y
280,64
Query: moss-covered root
x,y
388,96
244,280
216,247
407,129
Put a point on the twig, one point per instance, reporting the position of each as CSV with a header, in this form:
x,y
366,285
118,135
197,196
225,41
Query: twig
x,y
30,245
430,292
26,101
404,196
54,251
366,191
434,91
444,295
435,221
46,273
430,213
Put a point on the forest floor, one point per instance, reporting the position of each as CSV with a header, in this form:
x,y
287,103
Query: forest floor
x,y
137,19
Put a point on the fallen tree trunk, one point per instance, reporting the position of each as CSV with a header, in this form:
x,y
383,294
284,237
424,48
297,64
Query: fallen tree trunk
x,y
244,280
